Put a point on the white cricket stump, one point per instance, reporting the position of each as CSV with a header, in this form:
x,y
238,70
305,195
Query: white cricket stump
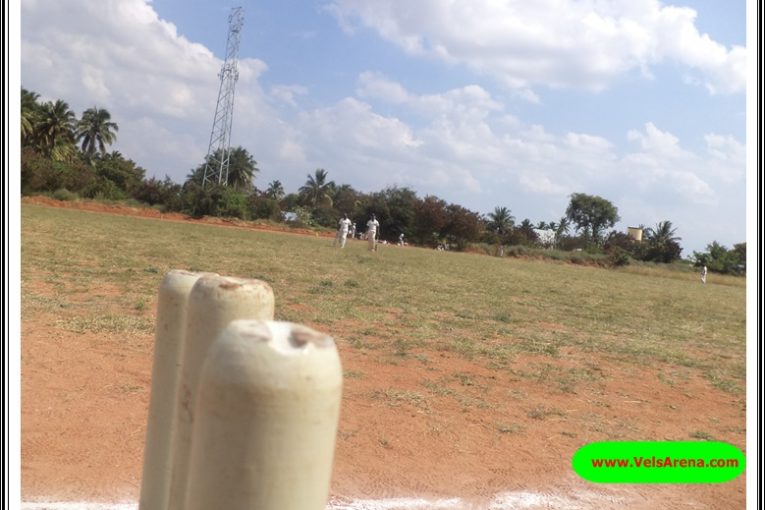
x,y
214,302
266,419
168,343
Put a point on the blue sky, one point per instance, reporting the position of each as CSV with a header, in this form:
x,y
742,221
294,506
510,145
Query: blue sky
x,y
483,103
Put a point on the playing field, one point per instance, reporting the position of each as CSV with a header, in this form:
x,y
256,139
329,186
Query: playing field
x,y
466,376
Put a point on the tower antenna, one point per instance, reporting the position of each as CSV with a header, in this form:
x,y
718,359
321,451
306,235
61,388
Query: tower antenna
x,y
219,150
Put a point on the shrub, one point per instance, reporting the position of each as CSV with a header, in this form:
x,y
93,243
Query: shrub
x,y
261,207
300,217
39,173
153,191
517,251
617,257
65,195
557,255
213,200
104,189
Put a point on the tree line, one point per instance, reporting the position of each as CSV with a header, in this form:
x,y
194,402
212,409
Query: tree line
x,y
68,157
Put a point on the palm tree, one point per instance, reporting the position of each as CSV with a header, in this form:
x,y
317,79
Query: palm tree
x,y
662,234
242,168
29,99
95,130
500,220
663,242
563,227
54,131
316,188
30,109
275,190
527,229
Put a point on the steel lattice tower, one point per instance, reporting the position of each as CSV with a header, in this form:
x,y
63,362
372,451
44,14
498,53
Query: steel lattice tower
x,y
219,151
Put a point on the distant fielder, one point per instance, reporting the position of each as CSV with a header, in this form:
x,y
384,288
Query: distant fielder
x,y
372,226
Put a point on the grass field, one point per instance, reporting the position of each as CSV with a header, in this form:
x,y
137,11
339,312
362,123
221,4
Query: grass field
x,y
400,302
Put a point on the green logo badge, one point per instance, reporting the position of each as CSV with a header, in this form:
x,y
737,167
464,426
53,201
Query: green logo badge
x,y
658,462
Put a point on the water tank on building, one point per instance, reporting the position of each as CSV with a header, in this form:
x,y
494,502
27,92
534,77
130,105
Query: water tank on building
x,y
635,233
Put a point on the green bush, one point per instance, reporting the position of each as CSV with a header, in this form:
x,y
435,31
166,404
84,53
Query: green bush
x,y
213,200
261,207
39,173
233,204
65,195
617,257
302,218
104,189
153,191
557,255
518,250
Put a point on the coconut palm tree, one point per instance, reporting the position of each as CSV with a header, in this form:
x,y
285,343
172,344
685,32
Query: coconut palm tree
x,y
95,131
526,229
316,188
275,190
54,130
564,226
30,109
500,220
663,245
242,168
663,234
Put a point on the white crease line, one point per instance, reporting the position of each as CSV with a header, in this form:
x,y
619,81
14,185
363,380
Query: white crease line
x,y
518,500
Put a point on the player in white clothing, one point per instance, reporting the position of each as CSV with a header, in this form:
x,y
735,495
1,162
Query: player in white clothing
x,y
372,226
342,231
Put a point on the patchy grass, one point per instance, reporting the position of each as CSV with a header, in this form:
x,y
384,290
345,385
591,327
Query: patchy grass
x,y
397,398
701,435
542,413
123,324
512,428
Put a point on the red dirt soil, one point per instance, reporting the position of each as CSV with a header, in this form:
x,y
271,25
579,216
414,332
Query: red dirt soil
x,y
428,425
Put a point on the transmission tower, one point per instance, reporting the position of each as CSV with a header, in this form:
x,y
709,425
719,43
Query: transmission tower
x,y
219,151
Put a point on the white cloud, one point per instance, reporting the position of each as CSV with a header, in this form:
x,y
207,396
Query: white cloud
x,y
554,43
376,86
663,164
352,122
292,151
727,158
288,93
725,147
541,184
657,141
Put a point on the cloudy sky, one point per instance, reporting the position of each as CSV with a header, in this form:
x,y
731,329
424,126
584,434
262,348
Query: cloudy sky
x,y
484,103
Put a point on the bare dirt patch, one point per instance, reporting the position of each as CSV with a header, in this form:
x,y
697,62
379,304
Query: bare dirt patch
x,y
425,424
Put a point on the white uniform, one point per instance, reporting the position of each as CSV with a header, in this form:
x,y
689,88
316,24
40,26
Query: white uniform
x,y
372,226
342,231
